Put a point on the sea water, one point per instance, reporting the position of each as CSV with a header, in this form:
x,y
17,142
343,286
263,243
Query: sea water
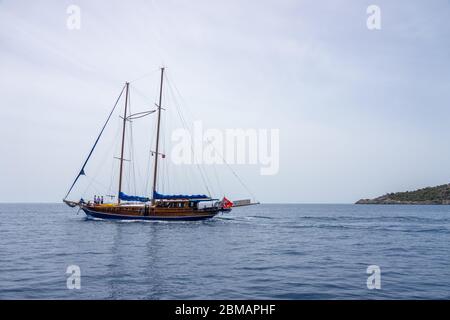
x,y
270,251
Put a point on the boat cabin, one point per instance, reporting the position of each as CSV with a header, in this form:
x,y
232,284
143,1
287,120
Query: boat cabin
x,y
181,203
184,203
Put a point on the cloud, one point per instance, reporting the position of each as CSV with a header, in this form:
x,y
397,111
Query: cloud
x,y
360,112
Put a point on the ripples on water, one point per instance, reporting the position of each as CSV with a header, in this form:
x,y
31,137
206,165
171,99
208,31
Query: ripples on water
x,y
259,252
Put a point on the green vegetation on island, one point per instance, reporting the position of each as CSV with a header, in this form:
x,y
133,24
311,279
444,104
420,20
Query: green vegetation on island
x,y
430,195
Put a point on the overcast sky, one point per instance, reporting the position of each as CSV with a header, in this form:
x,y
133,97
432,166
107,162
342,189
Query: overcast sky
x,y
361,112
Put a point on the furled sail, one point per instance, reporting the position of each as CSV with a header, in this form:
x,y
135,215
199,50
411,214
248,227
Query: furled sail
x,y
157,195
125,197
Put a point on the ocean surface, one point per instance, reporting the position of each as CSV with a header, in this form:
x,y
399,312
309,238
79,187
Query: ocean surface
x,y
269,251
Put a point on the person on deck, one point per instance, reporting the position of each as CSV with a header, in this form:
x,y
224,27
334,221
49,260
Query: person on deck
x,y
95,199
101,201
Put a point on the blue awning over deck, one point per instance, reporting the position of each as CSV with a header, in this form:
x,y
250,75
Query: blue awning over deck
x,y
125,197
157,195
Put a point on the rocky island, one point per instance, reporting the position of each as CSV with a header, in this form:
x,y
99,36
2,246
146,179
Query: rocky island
x,y
430,195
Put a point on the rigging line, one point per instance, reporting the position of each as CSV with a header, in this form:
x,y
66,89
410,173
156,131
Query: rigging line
x,y
184,123
167,175
97,168
132,172
172,86
95,144
204,178
203,174
131,162
113,164
177,91
166,126
131,147
143,95
140,115
91,186
182,99
165,148
134,160
137,168
162,149
146,167
99,184
149,162
96,191
147,173
145,75
96,186
217,179
234,173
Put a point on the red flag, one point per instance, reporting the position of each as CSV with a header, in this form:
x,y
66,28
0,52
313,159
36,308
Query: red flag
x,y
226,203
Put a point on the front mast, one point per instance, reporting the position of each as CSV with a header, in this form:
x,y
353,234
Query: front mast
x,y
127,84
157,138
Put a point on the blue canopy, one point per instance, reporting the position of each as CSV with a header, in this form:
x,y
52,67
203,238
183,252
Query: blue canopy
x,y
157,195
124,197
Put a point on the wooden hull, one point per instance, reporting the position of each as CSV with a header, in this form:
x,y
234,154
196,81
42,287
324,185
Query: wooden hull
x,y
147,213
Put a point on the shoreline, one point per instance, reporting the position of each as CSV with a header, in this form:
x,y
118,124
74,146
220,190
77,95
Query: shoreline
x,y
397,202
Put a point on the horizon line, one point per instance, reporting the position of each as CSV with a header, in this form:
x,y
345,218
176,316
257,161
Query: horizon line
x,y
51,202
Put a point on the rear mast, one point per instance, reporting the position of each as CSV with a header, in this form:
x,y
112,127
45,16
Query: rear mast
x,y
127,84
155,171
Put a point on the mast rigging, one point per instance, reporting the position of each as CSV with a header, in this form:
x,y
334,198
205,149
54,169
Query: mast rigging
x,y
155,171
127,85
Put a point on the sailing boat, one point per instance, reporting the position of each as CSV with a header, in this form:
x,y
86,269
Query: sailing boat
x,y
160,206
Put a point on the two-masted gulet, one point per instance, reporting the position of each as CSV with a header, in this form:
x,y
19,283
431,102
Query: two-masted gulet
x,y
159,206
